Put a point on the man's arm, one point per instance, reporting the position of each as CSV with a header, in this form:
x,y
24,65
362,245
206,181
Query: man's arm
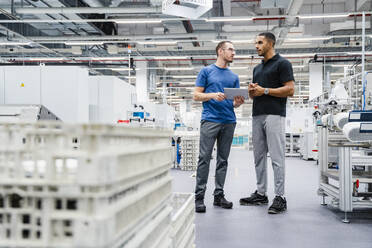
x,y
284,91
199,95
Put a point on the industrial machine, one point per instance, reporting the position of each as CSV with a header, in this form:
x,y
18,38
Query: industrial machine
x,y
25,113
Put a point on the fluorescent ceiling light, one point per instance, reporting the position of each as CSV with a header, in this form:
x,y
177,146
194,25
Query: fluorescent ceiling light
x,y
157,42
340,65
235,41
178,68
45,59
298,55
306,39
15,43
323,16
229,19
170,57
110,58
135,21
183,76
298,66
82,43
119,69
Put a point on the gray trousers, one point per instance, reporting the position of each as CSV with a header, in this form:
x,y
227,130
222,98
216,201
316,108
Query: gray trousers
x,y
268,135
209,133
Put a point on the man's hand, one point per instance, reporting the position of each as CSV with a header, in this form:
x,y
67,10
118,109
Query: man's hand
x,y
255,90
238,100
219,96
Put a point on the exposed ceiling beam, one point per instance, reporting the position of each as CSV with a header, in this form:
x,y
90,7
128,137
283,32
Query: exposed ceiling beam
x,y
88,10
292,10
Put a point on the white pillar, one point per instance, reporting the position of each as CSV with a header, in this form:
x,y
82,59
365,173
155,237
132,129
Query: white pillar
x,y
315,80
141,82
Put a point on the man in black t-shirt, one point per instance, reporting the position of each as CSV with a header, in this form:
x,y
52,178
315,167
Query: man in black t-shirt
x,y
273,82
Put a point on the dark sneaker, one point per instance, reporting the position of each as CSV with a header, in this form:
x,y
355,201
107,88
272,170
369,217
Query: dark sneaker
x,y
199,206
279,205
254,199
221,201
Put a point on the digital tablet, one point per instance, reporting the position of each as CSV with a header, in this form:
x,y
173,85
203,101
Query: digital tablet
x,y
230,93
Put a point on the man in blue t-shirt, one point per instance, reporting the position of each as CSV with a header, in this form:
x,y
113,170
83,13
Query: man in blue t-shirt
x,y
218,123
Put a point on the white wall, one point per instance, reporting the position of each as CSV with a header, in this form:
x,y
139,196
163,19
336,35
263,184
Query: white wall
x,y
315,80
65,92
15,76
61,89
110,99
164,116
2,86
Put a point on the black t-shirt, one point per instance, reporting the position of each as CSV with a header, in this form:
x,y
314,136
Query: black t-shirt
x,y
271,74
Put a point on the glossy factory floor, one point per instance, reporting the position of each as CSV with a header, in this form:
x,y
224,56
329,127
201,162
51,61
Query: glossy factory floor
x,y
306,224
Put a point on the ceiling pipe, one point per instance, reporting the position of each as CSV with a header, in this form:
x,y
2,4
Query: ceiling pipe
x,y
76,61
88,10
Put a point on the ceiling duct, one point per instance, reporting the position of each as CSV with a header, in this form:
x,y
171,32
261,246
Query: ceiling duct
x,y
273,4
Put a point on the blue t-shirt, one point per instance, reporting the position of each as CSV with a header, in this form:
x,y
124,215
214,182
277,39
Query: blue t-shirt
x,y
214,79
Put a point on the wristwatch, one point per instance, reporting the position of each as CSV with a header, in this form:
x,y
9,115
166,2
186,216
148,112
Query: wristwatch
x,y
266,91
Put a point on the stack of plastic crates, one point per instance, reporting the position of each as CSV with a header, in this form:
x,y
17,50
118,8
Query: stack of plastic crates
x,y
189,150
85,186
183,215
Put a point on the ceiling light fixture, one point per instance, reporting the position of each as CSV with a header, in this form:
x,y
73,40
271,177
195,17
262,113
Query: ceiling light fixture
x,y
235,41
307,39
157,42
178,68
169,57
341,15
135,21
15,43
228,19
183,76
83,43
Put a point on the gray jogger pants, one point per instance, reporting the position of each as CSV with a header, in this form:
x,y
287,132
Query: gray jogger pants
x,y
268,135
209,133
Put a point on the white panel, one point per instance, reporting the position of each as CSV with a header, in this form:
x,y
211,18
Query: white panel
x,y
123,102
114,99
65,92
2,86
315,80
106,95
22,84
141,82
93,99
83,94
299,120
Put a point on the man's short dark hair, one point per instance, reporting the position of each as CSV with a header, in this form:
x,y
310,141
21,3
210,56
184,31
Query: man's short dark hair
x,y
269,36
221,44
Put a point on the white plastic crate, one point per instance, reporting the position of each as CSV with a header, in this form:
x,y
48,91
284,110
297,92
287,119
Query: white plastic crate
x,y
183,228
152,232
48,153
37,221
81,186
